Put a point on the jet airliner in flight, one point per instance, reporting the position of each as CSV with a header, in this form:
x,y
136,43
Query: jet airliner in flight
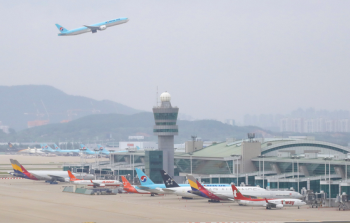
x,y
91,28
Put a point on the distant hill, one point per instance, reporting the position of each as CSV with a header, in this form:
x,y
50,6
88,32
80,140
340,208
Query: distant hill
x,y
119,126
20,104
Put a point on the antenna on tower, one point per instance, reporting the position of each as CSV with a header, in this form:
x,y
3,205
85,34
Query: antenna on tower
x,y
157,97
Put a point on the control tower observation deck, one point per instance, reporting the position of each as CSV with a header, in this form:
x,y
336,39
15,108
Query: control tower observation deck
x,y
165,128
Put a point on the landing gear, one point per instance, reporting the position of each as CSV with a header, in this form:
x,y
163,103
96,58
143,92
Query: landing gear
x,y
50,182
298,207
214,201
152,195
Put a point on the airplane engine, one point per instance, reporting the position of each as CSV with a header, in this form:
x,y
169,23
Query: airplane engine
x,y
243,202
279,206
103,27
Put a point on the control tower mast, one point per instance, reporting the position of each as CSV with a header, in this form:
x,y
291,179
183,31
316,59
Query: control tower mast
x,y
165,117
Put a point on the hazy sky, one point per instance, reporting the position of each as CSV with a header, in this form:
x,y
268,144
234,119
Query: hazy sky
x,y
218,59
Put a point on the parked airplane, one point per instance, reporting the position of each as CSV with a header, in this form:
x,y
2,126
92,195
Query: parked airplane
x,y
148,185
47,149
59,150
50,176
225,193
91,28
87,151
132,189
182,189
94,183
103,150
268,203
198,189
32,151
173,187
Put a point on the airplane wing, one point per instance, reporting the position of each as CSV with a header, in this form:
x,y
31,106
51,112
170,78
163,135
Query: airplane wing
x,y
153,191
95,184
93,28
222,196
270,205
143,187
168,190
57,178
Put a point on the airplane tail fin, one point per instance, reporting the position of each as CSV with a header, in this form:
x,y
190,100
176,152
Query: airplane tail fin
x,y
61,28
11,146
144,179
168,181
126,183
17,167
56,147
193,182
236,193
102,149
71,176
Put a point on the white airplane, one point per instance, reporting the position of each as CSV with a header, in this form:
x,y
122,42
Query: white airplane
x,y
94,183
32,151
268,203
50,176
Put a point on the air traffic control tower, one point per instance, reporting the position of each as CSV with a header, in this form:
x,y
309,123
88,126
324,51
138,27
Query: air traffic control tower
x,y
165,128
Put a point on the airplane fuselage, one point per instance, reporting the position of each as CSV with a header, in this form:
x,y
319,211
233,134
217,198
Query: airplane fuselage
x,y
102,183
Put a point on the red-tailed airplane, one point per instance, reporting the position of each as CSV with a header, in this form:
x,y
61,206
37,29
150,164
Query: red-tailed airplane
x,y
268,203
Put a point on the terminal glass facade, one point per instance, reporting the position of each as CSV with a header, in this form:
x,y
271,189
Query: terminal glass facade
x,y
165,116
153,165
334,189
165,130
165,123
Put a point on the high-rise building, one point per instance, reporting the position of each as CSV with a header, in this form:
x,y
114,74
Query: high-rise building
x,y
165,117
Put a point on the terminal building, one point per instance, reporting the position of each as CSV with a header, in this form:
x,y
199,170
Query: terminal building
x,y
276,163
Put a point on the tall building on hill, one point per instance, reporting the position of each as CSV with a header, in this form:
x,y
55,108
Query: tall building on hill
x,y
165,117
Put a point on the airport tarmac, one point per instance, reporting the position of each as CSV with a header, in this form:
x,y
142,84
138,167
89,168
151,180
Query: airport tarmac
x,y
34,201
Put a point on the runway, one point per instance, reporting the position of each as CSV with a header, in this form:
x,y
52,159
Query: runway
x,y
33,201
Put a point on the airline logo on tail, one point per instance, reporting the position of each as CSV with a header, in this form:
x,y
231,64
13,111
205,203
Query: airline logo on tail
x,y
143,179
61,28
71,176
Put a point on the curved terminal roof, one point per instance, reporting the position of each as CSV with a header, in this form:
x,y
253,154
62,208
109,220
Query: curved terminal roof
x,y
300,146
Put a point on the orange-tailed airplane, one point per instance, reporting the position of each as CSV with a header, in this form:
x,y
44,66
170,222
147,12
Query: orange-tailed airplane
x,y
132,189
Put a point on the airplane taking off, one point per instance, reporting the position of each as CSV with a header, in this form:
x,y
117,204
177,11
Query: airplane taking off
x,y
94,183
268,203
91,28
50,176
